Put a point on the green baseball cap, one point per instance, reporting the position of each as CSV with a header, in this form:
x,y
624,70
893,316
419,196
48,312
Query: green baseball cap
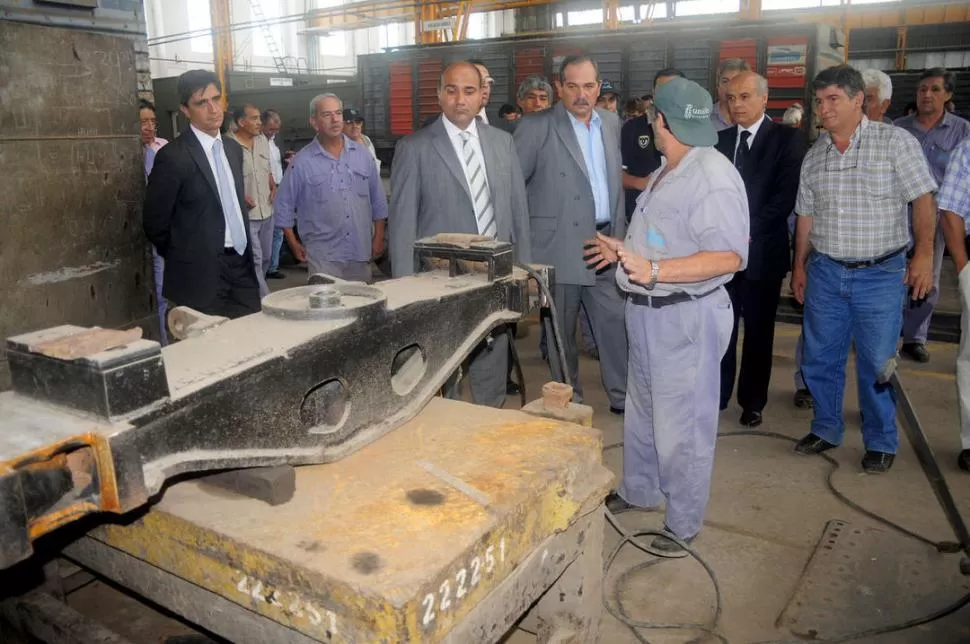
x,y
687,109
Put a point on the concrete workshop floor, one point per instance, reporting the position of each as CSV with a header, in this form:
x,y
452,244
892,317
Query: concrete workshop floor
x,y
767,511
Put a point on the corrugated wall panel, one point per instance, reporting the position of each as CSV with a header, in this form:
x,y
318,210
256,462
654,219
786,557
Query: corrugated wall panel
x,y
401,98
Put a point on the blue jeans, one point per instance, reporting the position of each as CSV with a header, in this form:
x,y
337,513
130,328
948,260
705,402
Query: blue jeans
x,y
274,261
843,305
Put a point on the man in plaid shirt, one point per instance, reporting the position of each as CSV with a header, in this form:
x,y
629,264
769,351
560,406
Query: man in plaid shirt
x,y
850,267
954,199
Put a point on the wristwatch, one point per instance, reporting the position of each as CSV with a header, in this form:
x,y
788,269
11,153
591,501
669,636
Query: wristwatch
x,y
654,274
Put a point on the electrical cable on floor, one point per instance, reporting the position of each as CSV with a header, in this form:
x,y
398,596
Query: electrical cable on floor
x,y
627,537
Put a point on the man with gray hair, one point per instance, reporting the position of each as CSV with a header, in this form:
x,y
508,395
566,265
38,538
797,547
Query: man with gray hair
x,y
534,95
879,94
334,192
768,156
727,70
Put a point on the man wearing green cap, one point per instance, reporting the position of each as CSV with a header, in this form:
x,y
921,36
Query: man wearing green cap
x,y
688,236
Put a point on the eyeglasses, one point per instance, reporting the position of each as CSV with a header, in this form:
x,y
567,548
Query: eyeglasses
x,y
839,167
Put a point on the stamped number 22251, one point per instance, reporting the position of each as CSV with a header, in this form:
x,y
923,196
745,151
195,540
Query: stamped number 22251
x,y
466,579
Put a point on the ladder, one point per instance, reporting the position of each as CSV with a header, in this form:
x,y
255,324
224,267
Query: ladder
x,y
256,9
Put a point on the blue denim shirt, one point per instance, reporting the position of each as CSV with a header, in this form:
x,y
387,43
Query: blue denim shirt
x,y
939,141
332,201
594,154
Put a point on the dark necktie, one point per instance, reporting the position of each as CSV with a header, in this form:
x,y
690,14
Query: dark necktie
x,y
742,153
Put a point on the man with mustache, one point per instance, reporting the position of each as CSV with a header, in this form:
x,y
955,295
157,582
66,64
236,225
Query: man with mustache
x,y
570,157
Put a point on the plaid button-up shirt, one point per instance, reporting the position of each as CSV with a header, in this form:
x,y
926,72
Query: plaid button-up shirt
x,y
858,199
954,192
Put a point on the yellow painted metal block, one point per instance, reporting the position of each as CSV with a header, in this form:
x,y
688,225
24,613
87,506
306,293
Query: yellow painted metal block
x,y
395,543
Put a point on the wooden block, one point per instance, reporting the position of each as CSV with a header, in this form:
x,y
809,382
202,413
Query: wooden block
x,y
85,343
274,485
556,395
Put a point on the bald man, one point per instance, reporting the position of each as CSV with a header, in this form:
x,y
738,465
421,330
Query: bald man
x,y
460,175
768,156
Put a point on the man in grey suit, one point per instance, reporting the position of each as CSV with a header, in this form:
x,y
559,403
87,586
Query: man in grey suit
x,y
459,175
570,157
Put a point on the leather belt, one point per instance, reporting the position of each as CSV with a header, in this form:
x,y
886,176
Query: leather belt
x,y
866,263
603,226
660,301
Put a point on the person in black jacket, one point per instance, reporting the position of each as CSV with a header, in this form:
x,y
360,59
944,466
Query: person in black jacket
x,y
195,209
769,157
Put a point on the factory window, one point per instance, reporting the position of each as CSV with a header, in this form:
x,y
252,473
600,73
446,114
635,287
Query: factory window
x,y
477,27
586,17
658,9
199,18
270,12
704,7
392,35
334,45
627,14
808,4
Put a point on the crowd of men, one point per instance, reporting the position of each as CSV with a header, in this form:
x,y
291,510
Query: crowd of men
x,y
665,231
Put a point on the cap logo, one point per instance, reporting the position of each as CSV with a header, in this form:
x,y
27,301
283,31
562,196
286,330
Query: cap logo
x,y
643,140
691,112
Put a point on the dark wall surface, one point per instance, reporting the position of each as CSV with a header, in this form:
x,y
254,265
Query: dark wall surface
x,y
71,245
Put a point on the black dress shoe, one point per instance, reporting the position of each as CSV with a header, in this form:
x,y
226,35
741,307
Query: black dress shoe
x,y
803,399
877,462
812,444
617,411
750,418
276,275
512,389
963,461
617,504
916,351
664,547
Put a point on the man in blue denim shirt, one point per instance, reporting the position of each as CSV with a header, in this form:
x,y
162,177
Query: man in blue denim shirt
x,y
939,133
334,193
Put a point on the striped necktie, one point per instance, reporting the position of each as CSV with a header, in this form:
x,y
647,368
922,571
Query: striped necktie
x,y
481,197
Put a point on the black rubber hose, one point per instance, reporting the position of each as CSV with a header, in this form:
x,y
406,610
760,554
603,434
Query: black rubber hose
x,y
620,614
554,320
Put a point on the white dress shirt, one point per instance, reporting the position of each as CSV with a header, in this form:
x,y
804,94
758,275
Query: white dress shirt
x,y
454,134
754,132
275,160
482,115
207,143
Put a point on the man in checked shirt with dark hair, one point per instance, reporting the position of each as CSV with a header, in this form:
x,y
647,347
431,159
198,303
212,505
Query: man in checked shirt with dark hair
x,y
850,267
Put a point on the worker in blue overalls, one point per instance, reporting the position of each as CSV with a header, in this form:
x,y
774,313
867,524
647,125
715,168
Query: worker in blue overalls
x,y
688,237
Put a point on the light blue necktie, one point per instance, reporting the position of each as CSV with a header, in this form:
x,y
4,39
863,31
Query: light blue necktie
x,y
227,194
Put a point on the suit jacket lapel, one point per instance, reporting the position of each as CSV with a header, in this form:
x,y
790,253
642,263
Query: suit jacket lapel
x,y
564,128
759,145
201,160
613,164
442,144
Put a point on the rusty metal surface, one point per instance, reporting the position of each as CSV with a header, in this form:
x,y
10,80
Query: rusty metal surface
x,y
71,246
331,377
376,547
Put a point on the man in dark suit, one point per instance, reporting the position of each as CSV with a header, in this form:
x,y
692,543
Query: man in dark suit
x,y
195,209
459,175
769,158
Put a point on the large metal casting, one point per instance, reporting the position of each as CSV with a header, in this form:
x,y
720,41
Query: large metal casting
x,y
322,371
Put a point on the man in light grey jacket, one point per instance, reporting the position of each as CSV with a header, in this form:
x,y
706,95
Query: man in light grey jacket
x,y
459,175
570,158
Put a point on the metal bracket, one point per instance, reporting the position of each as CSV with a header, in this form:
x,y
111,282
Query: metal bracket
x,y
322,371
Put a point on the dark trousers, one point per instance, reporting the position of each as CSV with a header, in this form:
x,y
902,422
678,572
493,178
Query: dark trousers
x,y
757,302
238,291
